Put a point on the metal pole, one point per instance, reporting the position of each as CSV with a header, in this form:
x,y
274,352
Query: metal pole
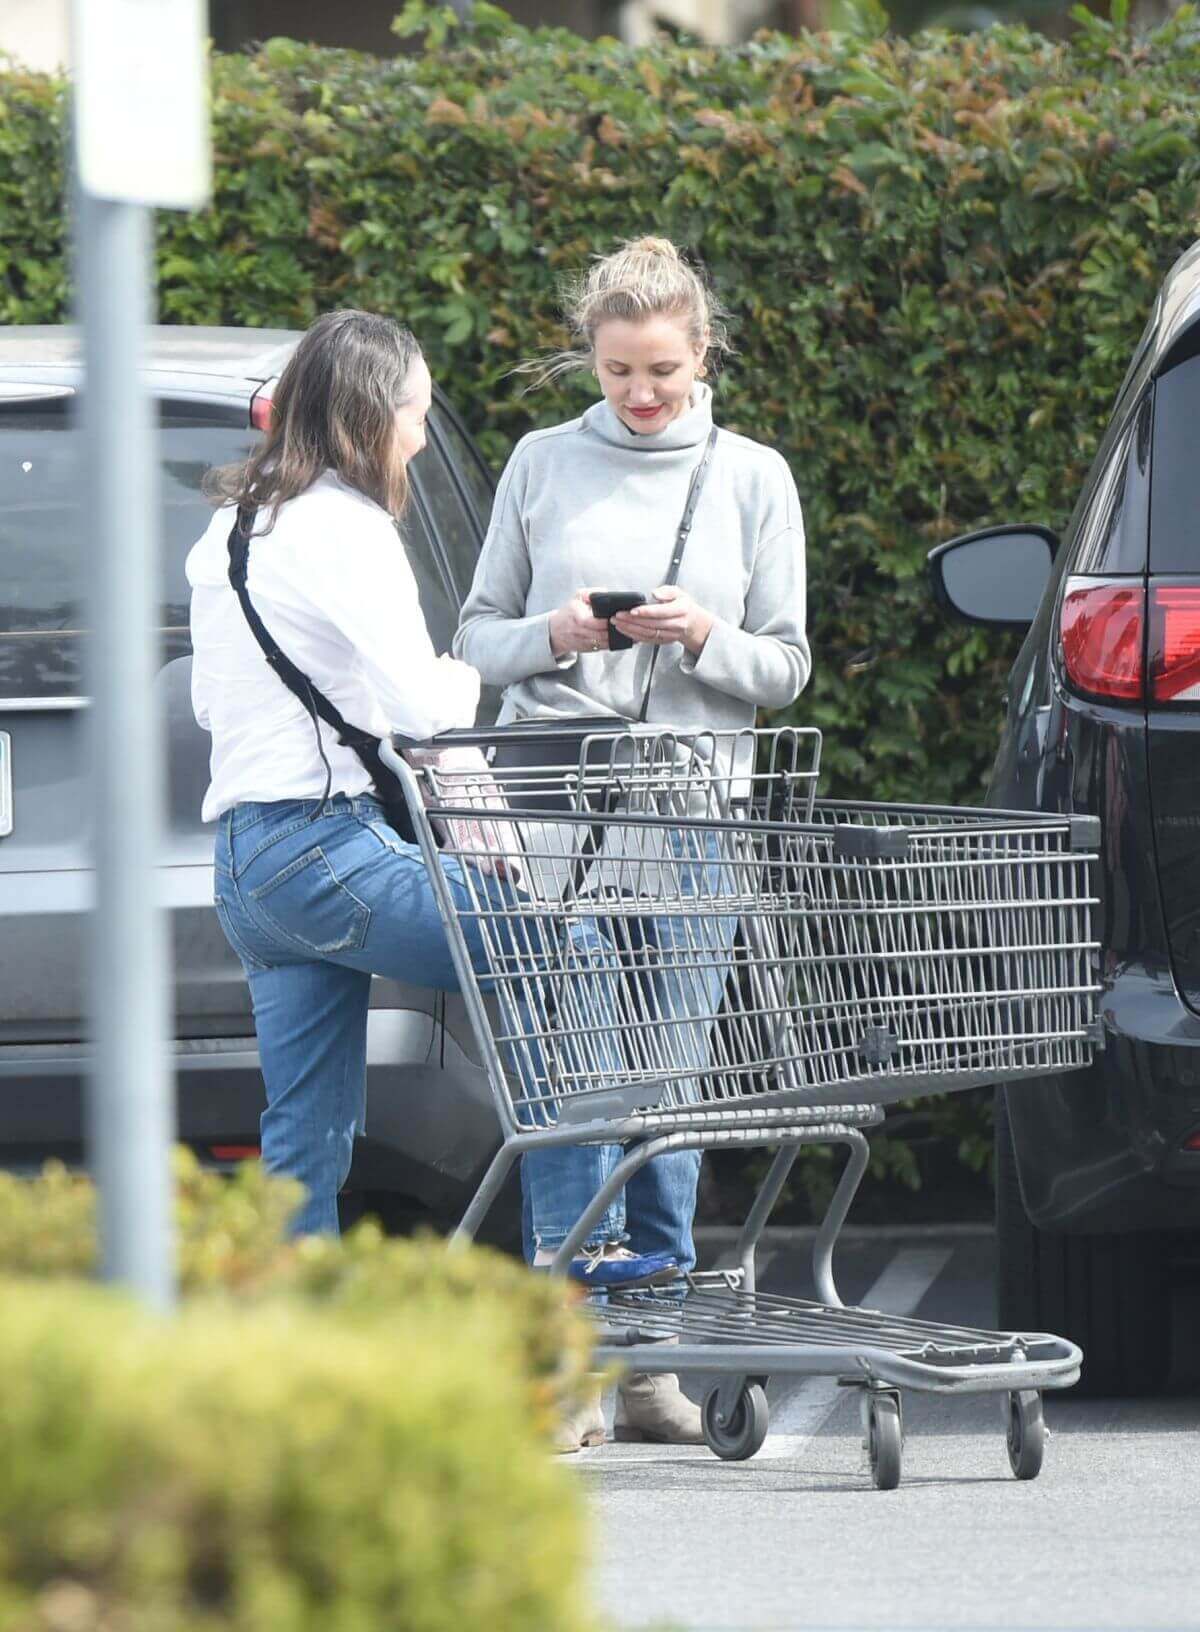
x,y
130,1101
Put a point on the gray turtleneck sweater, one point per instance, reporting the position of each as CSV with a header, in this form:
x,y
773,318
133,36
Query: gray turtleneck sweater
x,y
592,505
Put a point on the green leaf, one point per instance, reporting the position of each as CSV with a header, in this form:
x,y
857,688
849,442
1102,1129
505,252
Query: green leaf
x,y
433,24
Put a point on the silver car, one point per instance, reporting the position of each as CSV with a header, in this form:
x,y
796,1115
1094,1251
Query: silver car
x,y
430,1126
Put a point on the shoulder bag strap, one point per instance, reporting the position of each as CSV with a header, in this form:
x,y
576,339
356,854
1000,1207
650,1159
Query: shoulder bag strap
x,y
695,488
594,841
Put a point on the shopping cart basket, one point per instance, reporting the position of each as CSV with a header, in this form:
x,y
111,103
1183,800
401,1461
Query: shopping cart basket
x,y
812,962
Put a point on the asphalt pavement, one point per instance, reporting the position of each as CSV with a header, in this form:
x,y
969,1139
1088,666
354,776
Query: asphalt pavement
x,y
1107,1536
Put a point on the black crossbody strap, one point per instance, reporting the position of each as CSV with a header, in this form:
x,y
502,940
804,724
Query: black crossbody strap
x,y
594,842
297,682
695,488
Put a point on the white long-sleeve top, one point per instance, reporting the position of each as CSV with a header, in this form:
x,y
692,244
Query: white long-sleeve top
x,y
333,585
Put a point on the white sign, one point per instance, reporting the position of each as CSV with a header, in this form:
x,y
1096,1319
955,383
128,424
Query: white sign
x,y
141,100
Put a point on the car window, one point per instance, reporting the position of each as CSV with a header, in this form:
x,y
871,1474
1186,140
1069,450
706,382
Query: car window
x,y
43,535
468,463
1175,530
461,526
1113,531
452,518
439,603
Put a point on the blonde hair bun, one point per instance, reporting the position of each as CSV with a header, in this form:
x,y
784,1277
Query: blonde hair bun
x,y
653,246
643,278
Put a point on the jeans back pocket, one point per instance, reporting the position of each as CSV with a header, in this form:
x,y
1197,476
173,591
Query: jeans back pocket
x,y
308,906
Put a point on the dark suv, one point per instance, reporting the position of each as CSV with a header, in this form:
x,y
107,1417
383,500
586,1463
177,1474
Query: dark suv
x,y
1098,1173
430,1125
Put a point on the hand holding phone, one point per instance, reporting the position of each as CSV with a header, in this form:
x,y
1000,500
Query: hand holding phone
x,y
606,602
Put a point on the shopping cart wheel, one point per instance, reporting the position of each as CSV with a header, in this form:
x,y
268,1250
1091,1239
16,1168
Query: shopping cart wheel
x,y
884,1437
744,1432
1026,1433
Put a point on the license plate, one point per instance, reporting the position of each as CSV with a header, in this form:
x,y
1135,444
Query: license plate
x,y
6,799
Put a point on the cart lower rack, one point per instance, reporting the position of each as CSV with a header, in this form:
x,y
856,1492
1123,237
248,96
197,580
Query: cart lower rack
x,y
744,1337
678,946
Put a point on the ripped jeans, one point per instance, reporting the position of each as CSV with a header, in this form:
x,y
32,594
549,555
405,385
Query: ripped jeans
x,y
689,956
313,906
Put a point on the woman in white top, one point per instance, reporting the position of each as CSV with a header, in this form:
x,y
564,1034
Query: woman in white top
x,y
315,890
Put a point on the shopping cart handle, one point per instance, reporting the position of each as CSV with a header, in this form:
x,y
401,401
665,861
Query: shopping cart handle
x,y
870,843
1085,832
444,739
568,729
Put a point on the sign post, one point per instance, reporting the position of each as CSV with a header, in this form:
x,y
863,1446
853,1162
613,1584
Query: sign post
x,y
141,129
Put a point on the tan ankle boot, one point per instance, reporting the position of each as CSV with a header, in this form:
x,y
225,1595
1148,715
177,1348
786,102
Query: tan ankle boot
x,y
652,1406
584,1426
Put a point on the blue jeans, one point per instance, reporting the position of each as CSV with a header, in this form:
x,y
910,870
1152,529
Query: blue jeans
x,y
690,958
313,906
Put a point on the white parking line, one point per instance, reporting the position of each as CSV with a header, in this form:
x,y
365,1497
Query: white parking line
x,y
803,1412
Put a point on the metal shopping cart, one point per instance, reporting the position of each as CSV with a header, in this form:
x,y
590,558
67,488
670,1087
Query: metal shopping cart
x,y
819,960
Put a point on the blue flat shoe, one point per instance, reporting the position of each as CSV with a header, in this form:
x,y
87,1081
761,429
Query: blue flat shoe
x,y
616,1269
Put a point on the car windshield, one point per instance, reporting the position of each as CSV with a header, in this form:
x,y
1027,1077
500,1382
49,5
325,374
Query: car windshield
x,y
43,535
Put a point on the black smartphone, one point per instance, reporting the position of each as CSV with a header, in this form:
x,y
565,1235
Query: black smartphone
x,y
604,602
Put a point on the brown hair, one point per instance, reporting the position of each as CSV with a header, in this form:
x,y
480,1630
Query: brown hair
x,y
646,277
334,409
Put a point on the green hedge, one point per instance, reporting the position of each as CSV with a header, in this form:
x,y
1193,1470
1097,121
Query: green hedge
x,y
244,1470
332,1437
939,254
230,1236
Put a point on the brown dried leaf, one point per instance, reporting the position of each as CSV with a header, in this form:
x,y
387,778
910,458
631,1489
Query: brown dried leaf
x,y
444,112
651,78
704,158
943,147
324,226
847,180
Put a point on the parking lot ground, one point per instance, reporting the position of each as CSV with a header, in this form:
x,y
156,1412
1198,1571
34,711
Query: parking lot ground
x,y
799,1537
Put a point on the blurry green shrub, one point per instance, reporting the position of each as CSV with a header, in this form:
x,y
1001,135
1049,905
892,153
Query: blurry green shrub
x,y
230,1231
334,1436
231,1245
239,1469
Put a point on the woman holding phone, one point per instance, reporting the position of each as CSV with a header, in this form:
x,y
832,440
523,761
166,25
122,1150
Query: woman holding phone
x,y
595,505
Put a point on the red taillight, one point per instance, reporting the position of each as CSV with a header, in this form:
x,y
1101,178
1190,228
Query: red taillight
x,y
1175,643
1103,637
1192,1142
234,1153
262,408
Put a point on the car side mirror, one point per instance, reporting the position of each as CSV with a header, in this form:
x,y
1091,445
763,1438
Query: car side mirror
x,y
997,576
